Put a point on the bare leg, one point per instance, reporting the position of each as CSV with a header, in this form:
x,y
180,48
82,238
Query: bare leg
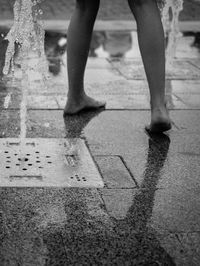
x,y
152,47
79,37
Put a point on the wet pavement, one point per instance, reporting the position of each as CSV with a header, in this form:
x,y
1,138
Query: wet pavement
x,y
148,211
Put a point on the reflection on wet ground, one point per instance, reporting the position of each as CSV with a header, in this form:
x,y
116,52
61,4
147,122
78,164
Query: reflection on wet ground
x,y
72,227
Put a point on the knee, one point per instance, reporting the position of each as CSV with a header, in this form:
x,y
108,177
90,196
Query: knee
x,y
88,6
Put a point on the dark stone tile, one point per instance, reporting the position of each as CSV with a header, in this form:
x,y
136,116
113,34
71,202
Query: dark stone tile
x,y
10,124
133,69
10,101
176,209
45,124
72,227
114,172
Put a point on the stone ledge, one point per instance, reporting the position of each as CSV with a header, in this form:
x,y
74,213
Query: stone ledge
x,y
108,25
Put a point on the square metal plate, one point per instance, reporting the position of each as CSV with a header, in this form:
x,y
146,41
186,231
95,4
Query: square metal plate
x,y
47,162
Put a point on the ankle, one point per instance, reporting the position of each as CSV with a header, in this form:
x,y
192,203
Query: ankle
x,y
157,104
76,98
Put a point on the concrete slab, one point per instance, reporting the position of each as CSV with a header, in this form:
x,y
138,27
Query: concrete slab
x,y
118,201
178,171
102,76
98,63
133,69
72,226
10,123
42,102
125,136
192,101
188,87
186,47
171,243
47,162
10,100
114,172
176,210
174,103
191,245
195,62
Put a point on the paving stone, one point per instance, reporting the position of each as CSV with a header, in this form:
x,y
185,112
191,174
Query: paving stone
x,y
107,138
178,171
175,249
114,172
10,100
128,102
101,76
42,102
174,103
191,100
186,122
133,69
191,245
118,201
195,62
119,87
98,63
188,87
45,124
176,210
186,48
10,123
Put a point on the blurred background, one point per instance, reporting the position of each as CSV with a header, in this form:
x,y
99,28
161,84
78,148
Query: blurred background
x,y
105,43
109,10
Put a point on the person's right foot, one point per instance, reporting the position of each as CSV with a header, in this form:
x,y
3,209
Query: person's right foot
x,y
85,103
160,120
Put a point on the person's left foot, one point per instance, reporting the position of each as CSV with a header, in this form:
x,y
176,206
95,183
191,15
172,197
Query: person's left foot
x,y
160,120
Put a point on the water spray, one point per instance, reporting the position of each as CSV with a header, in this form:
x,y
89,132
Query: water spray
x,y
171,25
28,34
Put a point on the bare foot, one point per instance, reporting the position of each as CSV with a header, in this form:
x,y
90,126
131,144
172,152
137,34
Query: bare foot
x,y
160,120
86,103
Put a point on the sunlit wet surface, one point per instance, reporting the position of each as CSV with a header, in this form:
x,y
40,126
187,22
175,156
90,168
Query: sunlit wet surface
x,y
145,214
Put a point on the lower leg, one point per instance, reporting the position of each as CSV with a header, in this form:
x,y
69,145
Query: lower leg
x,y
78,44
152,47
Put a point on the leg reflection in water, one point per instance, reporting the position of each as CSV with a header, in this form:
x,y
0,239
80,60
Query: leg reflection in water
x,y
57,226
74,125
99,239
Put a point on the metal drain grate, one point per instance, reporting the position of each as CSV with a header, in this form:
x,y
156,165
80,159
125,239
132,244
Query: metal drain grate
x,y
47,162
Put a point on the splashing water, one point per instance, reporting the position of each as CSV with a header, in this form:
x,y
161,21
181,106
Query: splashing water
x,y
171,26
28,34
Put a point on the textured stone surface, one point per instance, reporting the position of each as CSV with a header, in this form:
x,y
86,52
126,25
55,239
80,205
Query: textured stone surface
x,y
114,172
133,69
149,212
10,124
176,210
